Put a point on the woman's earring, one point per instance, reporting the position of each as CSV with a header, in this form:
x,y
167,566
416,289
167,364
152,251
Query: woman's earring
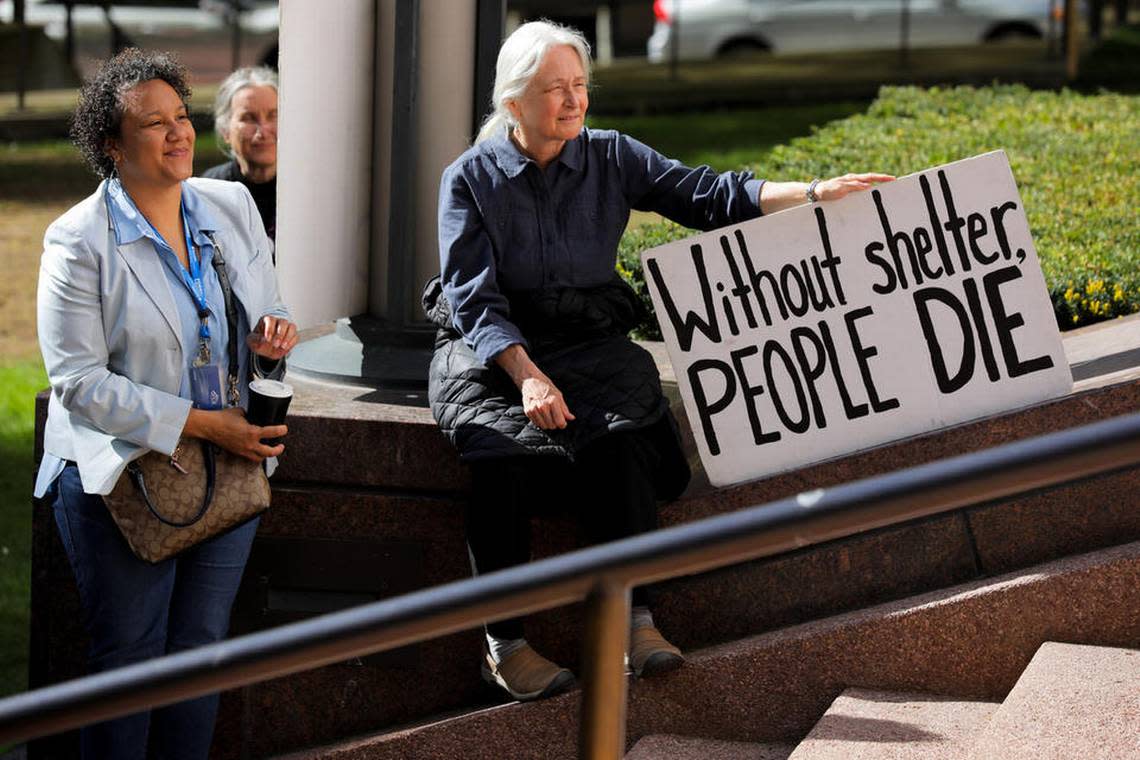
x,y
110,153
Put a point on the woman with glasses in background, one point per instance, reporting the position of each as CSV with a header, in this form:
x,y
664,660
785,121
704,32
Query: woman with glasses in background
x,y
245,119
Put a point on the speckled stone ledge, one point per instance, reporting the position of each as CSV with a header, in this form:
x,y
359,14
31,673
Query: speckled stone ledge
x,y
669,747
354,437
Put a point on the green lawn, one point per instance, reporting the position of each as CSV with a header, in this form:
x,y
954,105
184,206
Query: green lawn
x,y
18,385
728,139
724,139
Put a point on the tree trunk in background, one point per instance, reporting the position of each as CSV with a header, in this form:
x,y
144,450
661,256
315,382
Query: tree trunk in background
x,y
904,35
235,27
22,53
1072,40
69,36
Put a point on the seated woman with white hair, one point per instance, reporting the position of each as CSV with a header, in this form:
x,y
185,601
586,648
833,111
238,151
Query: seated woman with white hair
x,y
245,120
534,378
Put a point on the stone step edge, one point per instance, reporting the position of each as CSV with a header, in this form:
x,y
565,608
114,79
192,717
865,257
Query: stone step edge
x,y
399,447
675,747
944,597
1011,730
910,606
888,724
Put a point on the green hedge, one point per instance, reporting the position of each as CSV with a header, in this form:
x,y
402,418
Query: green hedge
x,y
1076,159
1114,63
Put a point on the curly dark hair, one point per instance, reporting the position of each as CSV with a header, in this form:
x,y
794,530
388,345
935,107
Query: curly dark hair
x,y
99,113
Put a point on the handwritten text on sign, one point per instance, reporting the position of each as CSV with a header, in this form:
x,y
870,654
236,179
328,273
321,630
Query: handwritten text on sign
x,y
834,327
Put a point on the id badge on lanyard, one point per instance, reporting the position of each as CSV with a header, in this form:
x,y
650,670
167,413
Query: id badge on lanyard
x,y
207,379
207,385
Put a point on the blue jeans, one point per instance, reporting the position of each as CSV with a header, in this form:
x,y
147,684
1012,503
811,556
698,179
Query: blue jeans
x,y
134,611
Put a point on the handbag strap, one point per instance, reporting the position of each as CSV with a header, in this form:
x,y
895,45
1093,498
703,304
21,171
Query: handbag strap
x,y
136,473
139,480
219,264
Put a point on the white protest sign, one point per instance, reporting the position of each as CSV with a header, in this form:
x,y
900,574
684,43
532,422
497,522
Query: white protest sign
x,y
830,328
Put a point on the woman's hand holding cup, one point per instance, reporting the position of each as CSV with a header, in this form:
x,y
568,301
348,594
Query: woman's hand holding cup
x,y
229,429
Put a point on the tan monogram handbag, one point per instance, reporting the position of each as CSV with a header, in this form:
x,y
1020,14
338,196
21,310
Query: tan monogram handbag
x,y
163,505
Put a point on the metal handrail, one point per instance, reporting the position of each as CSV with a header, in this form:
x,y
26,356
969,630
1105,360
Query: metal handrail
x,y
602,574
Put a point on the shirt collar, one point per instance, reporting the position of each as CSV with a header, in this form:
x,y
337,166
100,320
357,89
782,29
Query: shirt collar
x,y
512,160
129,224
507,155
571,155
200,217
126,220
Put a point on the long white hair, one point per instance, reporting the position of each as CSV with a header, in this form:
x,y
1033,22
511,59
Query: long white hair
x,y
519,60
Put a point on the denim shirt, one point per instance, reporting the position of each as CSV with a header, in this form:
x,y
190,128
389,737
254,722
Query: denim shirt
x,y
506,225
130,225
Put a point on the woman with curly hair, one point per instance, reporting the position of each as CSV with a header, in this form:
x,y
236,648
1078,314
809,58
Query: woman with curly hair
x,y
135,338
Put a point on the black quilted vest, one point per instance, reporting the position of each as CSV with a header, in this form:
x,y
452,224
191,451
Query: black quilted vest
x,y
578,337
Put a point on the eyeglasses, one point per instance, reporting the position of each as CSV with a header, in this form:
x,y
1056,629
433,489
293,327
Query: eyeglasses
x,y
250,127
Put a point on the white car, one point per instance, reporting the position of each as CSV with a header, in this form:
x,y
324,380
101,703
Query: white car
x,y
704,29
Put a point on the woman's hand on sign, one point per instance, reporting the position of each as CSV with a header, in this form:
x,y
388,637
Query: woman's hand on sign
x,y
777,196
835,188
272,338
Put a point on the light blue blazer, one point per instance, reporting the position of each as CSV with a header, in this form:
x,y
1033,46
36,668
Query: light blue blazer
x,y
110,333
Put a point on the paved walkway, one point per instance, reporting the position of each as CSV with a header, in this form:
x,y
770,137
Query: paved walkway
x,y
1104,352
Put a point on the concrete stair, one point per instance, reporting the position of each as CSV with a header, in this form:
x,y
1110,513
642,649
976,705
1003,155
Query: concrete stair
x,y
971,642
690,748
874,725
1072,701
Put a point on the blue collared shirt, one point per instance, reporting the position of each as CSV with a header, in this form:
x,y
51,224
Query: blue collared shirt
x,y
506,225
130,225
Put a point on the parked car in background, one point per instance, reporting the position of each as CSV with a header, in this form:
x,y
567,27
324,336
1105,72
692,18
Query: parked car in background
x,y
703,29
